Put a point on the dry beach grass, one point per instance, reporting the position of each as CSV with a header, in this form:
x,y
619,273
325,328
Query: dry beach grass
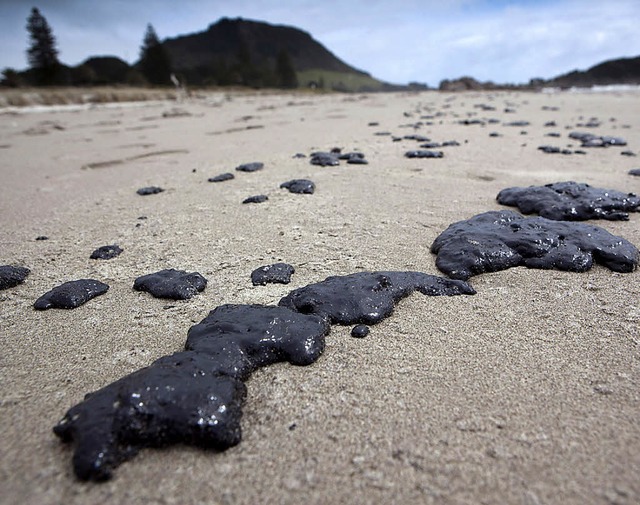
x,y
21,97
526,393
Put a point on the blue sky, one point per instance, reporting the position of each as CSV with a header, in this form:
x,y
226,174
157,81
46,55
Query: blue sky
x,y
397,41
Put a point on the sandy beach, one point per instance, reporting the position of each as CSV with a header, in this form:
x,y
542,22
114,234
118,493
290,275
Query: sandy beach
x,y
526,393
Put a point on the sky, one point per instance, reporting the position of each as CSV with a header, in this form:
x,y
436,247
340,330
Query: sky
x,y
504,41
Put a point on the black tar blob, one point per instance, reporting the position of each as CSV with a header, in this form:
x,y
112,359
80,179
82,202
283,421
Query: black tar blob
x,y
301,186
191,397
150,190
571,201
279,273
367,297
250,167
171,283
106,252
499,240
71,294
227,176
256,199
11,276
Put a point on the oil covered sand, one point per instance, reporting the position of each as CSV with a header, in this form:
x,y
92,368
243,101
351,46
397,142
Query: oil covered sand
x,y
526,392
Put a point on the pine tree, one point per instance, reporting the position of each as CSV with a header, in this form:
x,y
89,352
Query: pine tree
x,y
284,70
42,53
154,63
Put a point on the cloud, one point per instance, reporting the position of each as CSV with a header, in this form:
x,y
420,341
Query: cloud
x,y
508,45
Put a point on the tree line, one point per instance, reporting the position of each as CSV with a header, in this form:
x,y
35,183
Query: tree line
x,y
154,66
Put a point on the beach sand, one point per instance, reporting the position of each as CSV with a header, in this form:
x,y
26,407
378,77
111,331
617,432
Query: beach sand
x,y
526,393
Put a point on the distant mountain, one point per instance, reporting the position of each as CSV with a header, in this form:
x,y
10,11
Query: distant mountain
x,y
226,38
239,51
618,71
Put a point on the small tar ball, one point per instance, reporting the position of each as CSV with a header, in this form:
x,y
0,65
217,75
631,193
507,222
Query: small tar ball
x,y
360,331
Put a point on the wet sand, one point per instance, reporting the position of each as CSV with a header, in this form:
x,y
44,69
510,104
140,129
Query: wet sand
x,y
524,393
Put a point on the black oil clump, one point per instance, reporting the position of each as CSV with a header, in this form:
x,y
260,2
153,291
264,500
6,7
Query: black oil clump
x,y
256,199
360,331
250,167
333,158
325,159
192,397
243,338
227,176
171,283
150,190
300,186
353,158
591,140
279,273
71,294
518,123
11,276
106,252
499,240
367,297
417,138
178,399
555,150
424,154
571,201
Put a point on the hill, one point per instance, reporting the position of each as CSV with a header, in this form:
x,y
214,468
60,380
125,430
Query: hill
x,y
100,70
618,71
239,51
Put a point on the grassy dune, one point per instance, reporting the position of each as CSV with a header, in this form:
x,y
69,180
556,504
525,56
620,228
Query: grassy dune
x,y
24,97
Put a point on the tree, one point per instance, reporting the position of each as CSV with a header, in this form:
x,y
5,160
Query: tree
x,y
11,78
154,63
285,72
42,53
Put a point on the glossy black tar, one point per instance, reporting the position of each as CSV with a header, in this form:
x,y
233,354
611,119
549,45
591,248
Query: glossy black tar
x,y
300,186
499,240
193,397
278,273
571,201
367,297
71,294
11,276
171,283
